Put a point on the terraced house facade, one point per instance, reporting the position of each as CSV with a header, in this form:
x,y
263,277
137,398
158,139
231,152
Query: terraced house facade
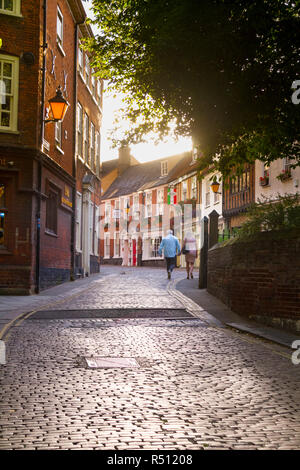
x,y
40,168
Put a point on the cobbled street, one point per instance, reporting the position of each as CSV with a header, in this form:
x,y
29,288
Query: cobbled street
x,y
194,385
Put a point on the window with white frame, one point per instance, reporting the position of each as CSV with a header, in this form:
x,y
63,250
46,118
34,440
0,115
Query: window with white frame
x,y
117,245
10,7
136,206
9,88
107,245
184,189
155,243
78,221
87,70
194,187
80,60
116,212
58,134
79,129
160,202
216,198
98,146
92,147
86,142
59,27
149,204
287,162
107,212
164,168
94,85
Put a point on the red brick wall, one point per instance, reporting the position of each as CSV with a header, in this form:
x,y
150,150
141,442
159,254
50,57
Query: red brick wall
x,y
21,35
258,279
63,63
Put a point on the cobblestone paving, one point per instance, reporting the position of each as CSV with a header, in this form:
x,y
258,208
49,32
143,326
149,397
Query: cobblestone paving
x,y
197,387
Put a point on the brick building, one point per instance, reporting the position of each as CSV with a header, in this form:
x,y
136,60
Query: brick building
x,y
38,161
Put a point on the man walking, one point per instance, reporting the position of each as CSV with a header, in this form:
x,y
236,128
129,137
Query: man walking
x,y
171,247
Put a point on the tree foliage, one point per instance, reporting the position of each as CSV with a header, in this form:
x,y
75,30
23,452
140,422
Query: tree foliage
x,y
222,70
283,215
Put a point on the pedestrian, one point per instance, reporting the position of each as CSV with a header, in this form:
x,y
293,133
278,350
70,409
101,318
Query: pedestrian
x,y
189,249
171,247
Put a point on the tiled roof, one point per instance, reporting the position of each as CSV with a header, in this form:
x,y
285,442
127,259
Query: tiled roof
x,y
148,175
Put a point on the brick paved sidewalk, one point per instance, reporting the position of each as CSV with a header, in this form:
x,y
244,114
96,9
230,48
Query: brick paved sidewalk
x,y
198,385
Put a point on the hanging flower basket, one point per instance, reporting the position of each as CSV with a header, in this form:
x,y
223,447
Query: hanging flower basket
x,y
284,175
264,180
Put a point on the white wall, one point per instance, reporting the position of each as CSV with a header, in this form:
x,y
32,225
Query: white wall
x,y
290,186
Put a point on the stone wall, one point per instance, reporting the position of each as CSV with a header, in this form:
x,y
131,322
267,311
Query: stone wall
x,y
259,279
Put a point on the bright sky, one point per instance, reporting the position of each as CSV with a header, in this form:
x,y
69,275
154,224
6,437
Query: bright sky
x,y
142,152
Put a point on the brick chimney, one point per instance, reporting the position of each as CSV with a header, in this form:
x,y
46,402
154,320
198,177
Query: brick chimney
x,y
125,159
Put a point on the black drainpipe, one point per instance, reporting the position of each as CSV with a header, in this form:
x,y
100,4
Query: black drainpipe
x,y
42,131
74,166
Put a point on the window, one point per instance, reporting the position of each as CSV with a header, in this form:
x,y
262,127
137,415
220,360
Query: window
x,y
287,162
107,212
184,189
59,27
10,7
164,168
80,60
240,182
149,204
79,129
216,197
116,212
155,243
78,221
160,201
99,91
58,134
98,144
117,245
106,246
2,214
86,142
136,207
93,83
194,187
51,210
92,148
9,77
87,70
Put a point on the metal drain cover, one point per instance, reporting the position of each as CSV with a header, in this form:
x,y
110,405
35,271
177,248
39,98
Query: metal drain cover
x,y
111,362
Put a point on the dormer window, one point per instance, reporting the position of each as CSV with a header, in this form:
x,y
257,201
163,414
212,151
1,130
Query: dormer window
x,y
164,168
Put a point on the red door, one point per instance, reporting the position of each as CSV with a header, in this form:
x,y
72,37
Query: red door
x,y
133,252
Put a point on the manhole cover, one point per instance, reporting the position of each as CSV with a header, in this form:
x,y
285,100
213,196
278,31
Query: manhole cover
x,y
111,313
111,362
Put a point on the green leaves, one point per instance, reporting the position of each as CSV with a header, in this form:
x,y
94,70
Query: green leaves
x,y
220,70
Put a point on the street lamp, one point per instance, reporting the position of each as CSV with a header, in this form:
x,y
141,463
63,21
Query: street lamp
x,y
215,186
58,106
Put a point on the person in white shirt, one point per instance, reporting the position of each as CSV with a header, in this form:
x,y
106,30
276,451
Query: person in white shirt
x,y
189,249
